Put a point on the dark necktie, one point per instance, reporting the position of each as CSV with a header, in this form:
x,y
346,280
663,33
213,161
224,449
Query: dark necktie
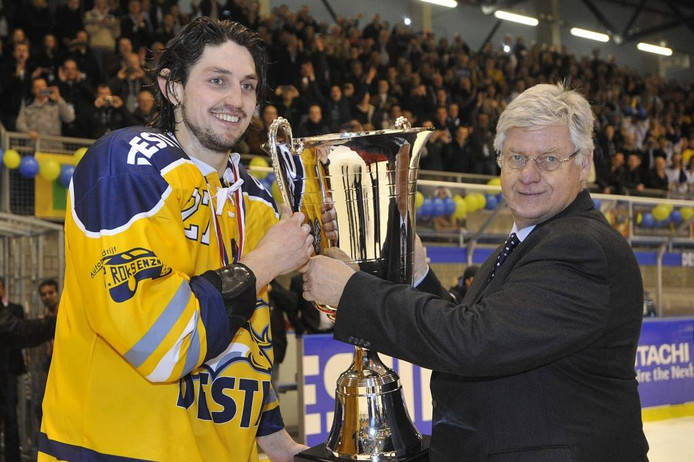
x,y
510,244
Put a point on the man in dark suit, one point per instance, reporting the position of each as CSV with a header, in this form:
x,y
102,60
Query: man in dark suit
x,y
15,333
537,361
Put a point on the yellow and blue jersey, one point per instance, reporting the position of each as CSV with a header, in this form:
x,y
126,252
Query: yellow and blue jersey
x,y
144,366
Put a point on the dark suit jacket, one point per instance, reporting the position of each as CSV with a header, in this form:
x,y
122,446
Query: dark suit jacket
x,y
537,365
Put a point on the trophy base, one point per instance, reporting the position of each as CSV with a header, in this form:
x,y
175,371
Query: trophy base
x,y
321,454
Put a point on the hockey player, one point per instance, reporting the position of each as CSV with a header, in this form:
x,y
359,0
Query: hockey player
x,y
163,349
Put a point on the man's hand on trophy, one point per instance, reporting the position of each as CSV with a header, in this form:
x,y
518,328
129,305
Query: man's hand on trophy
x,y
285,247
421,265
325,279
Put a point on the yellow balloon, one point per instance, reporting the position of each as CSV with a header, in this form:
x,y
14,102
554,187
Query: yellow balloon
x,y
419,199
11,159
660,212
259,162
668,207
460,208
470,202
49,169
79,153
481,200
495,182
686,213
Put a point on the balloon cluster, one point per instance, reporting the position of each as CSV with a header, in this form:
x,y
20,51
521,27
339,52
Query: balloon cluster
x,y
663,215
457,206
49,169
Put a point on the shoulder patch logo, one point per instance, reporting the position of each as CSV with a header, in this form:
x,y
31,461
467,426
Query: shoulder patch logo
x,y
123,271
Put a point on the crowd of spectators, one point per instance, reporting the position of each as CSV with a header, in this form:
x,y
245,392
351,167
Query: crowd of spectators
x,y
83,68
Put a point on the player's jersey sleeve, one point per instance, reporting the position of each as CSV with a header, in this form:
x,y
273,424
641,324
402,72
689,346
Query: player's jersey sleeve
x,y
128,204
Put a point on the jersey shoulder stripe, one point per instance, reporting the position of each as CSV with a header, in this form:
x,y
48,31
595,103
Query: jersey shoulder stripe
x,y
120,177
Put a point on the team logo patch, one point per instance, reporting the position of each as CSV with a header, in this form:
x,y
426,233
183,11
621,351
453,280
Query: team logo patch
x,y
123,271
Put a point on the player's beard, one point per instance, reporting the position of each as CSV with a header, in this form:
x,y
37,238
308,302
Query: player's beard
x,y
208,138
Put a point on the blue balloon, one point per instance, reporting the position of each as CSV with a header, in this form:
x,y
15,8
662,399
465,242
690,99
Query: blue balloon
x,y
647,220
437,207
425,210
448,206
597,203
270,178
676,216
28,167
66,172
492,201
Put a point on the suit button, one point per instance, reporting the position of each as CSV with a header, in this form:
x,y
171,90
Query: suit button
x,y
367,344
350,339
434,403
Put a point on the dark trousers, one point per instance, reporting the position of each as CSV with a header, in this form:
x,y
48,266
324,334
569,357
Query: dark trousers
x,y
9,419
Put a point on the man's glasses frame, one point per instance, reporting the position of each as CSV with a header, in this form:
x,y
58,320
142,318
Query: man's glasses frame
x,y
546,163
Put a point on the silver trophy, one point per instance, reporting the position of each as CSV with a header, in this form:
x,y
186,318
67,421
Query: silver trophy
x,y
370,180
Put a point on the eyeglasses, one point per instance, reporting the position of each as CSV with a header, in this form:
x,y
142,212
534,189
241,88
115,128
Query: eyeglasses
x,y
546,163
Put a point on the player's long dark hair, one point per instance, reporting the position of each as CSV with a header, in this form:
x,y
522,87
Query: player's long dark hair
x,y
185,49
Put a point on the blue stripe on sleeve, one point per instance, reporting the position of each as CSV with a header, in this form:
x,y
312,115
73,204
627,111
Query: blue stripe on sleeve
x,y
142,350
270,422
64,451
214,316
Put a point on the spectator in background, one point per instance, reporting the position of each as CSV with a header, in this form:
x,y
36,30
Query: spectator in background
x,y
289,104
46,113
458,154
49,58
257,134
460,289
166,30
69,19
363,111
657,177
103,29
37,20
109,113
313,125
337,109
79,92
119,59
145,110
50,298
678,175
136,26
130,80
433,152
615,179
482,139
83,55
15,333
16,78
633,176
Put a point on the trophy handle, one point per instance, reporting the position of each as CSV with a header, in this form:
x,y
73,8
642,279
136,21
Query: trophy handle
x,y
277,124
295,149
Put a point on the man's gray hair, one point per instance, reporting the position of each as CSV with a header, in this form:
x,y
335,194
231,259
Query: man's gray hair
x,y
547,105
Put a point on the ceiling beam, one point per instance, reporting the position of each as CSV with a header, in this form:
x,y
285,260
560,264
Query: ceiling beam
x,y
599,16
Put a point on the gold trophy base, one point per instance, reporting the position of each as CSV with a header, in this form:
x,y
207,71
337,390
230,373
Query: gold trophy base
x,y
321,454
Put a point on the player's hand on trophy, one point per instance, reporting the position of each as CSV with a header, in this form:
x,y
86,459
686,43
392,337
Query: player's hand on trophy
x,y
325,279
329,222
285,247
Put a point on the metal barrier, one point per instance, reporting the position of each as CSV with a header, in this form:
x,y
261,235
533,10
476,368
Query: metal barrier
x,y
31,250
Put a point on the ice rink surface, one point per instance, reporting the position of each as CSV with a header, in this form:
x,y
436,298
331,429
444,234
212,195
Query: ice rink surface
x,y
670,440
